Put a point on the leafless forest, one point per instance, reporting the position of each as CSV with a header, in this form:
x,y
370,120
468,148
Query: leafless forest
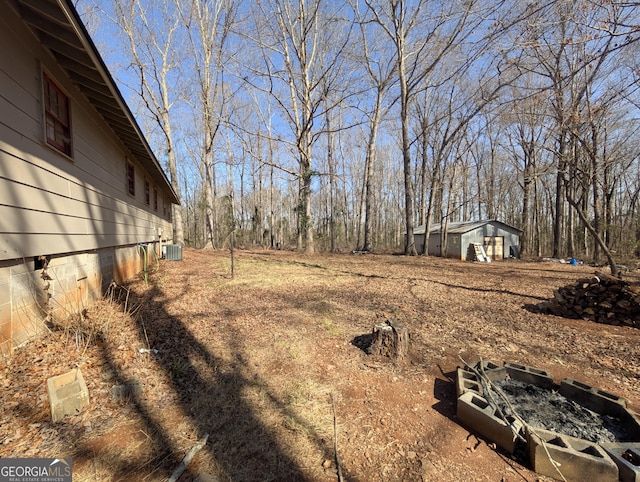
x,y
341,125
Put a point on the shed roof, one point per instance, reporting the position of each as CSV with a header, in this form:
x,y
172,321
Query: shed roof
x,y
60,29
464,227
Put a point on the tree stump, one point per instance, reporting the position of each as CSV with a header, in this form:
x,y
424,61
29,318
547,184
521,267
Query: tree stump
x,y
390,339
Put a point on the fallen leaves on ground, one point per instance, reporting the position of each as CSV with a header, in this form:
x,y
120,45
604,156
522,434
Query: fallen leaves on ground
x,y
254,361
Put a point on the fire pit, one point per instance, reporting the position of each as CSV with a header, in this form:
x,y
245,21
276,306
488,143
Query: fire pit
x,y
570,431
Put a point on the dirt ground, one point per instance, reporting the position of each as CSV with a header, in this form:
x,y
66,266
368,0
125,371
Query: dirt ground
x,y
260,361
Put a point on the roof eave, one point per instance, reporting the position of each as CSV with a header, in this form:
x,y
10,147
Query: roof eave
x,y
60,29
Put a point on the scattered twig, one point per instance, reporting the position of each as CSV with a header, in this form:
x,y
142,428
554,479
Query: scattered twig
x,y
335,440
145,336
187,458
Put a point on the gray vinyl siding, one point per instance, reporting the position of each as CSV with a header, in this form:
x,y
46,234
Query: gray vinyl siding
x,y
75,209
50,203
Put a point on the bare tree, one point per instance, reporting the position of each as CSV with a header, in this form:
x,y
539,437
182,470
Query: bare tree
x,y
438,136
380,66
208,25
155,60
301,45
523,137
424,36
567,44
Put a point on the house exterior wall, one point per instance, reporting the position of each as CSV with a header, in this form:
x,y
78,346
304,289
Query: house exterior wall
x,y
475,236
76,209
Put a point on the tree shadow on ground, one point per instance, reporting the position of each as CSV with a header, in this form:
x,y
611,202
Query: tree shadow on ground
x,y
164,455
415,279
212,392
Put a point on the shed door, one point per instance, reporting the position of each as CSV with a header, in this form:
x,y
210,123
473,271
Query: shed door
x,y
494,247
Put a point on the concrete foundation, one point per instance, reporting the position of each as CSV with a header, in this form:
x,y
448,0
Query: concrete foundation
x,y
74,281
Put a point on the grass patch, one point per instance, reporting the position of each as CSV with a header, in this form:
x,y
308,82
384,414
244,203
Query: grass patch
x,y
330,327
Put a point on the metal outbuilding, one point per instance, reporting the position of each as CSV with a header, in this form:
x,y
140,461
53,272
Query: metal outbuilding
x,y
500,240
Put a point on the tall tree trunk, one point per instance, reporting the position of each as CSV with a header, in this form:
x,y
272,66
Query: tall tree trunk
x,y
596,185
409,242
536,220
368,170
332,180
208,197
583,217
306,224
525,223
558,223
176,218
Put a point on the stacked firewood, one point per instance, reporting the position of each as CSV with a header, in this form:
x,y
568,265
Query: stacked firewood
x,y
601,298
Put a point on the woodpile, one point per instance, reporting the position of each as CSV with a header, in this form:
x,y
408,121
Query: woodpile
x,y
601,298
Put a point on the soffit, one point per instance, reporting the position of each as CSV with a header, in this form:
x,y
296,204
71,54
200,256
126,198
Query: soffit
x,y
61,31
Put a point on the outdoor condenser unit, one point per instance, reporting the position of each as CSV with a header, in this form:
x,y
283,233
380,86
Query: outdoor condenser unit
x,y
173,252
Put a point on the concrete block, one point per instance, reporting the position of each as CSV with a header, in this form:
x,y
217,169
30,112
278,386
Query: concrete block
x,y
25,324
578,459
68,394
467,381
493,372
5,273
5,292
24,287
477,413
627,457
5,313
18,268
592,398
530,375
632,422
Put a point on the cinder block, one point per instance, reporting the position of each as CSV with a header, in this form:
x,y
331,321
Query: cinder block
x,y
578,460
5,290
68,394
627,457
592,398
493,372
467,381
477,413
530,375
632,422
